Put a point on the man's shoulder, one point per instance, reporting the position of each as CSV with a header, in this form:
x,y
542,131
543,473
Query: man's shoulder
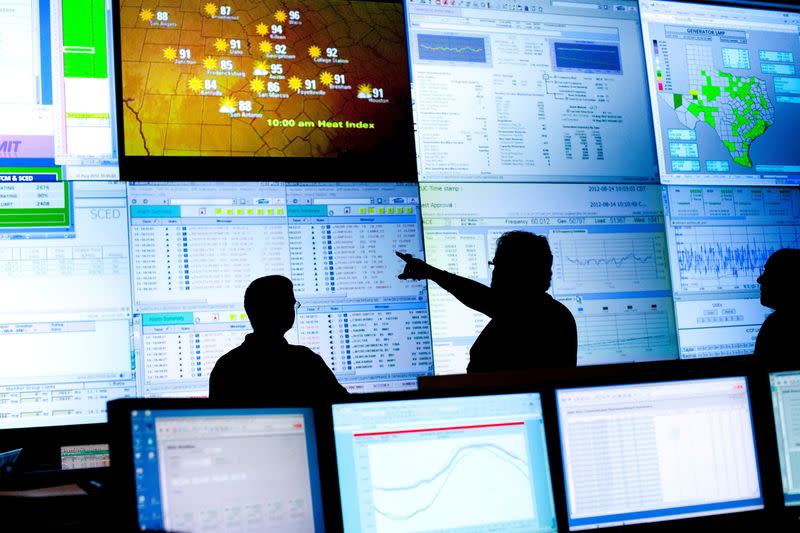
x,y
558,310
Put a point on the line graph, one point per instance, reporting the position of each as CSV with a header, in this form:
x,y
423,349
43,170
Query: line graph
x,y
451,48
620,330
592,57
728,257
609,262
450,482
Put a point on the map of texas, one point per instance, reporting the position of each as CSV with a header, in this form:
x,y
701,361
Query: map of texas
x,y
738,108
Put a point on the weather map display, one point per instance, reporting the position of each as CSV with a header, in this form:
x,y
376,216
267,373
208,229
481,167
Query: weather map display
x,y
725,92
322,79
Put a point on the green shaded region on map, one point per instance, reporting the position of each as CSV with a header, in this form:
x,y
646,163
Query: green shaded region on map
x,y
736,107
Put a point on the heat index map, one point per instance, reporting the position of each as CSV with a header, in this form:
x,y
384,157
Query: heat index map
x,y
262,78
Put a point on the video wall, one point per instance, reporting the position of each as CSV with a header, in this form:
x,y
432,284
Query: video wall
x,y
653,143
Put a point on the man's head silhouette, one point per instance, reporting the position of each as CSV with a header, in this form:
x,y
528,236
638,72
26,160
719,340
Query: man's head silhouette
x,y
780,281
270,305
522,264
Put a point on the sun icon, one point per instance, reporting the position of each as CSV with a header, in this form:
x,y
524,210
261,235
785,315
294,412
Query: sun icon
x,y
195,84
146,15
210,63
262,29
257,85
170,53
326,78
228,105
295,83
220,45
210,9
265,47
314,51
365,90
260,68
280,15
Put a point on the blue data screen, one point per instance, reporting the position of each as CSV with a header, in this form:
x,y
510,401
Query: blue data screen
x,y
719,239
458,464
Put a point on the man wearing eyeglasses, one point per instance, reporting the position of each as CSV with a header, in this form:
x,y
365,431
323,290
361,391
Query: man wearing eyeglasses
x,y
265,368
528,328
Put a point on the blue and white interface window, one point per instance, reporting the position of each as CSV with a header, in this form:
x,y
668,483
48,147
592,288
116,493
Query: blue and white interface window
x,y
64,265
531,91
57,113
719,239
610,264
725,92
196,247
232,470
466,464
662,451
785,388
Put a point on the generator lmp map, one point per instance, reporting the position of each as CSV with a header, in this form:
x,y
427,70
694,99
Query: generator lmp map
x,y
725,92
262,78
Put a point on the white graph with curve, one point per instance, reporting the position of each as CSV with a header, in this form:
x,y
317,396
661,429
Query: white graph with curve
x,y
428,485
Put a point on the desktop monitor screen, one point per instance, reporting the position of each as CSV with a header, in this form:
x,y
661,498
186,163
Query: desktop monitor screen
x,y
226,469
785,388
319,88
474,463
724,91
657,451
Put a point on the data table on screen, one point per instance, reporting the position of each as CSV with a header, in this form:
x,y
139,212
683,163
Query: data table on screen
x,y
719,239
724,92
554,92
196,247
610,263
455,464
785,388
66,267
651,452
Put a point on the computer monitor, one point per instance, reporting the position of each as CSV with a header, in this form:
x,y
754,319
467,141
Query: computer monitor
x,y
530,91
650,452
306,91
610,263
724,91
193,467
785,387
719,239
475,463
57,113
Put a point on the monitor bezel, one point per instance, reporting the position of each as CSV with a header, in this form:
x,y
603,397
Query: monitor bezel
x,y
392,164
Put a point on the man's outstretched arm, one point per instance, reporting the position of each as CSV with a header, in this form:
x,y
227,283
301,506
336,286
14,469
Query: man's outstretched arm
x,y
469,292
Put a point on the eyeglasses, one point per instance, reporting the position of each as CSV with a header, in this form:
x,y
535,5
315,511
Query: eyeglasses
x,y
296,306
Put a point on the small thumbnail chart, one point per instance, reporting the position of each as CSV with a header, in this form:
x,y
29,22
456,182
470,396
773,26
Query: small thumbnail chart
x,y
452,48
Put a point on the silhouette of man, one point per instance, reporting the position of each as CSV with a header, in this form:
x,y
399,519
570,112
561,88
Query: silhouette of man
x,y
265,368
528,328
776,343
